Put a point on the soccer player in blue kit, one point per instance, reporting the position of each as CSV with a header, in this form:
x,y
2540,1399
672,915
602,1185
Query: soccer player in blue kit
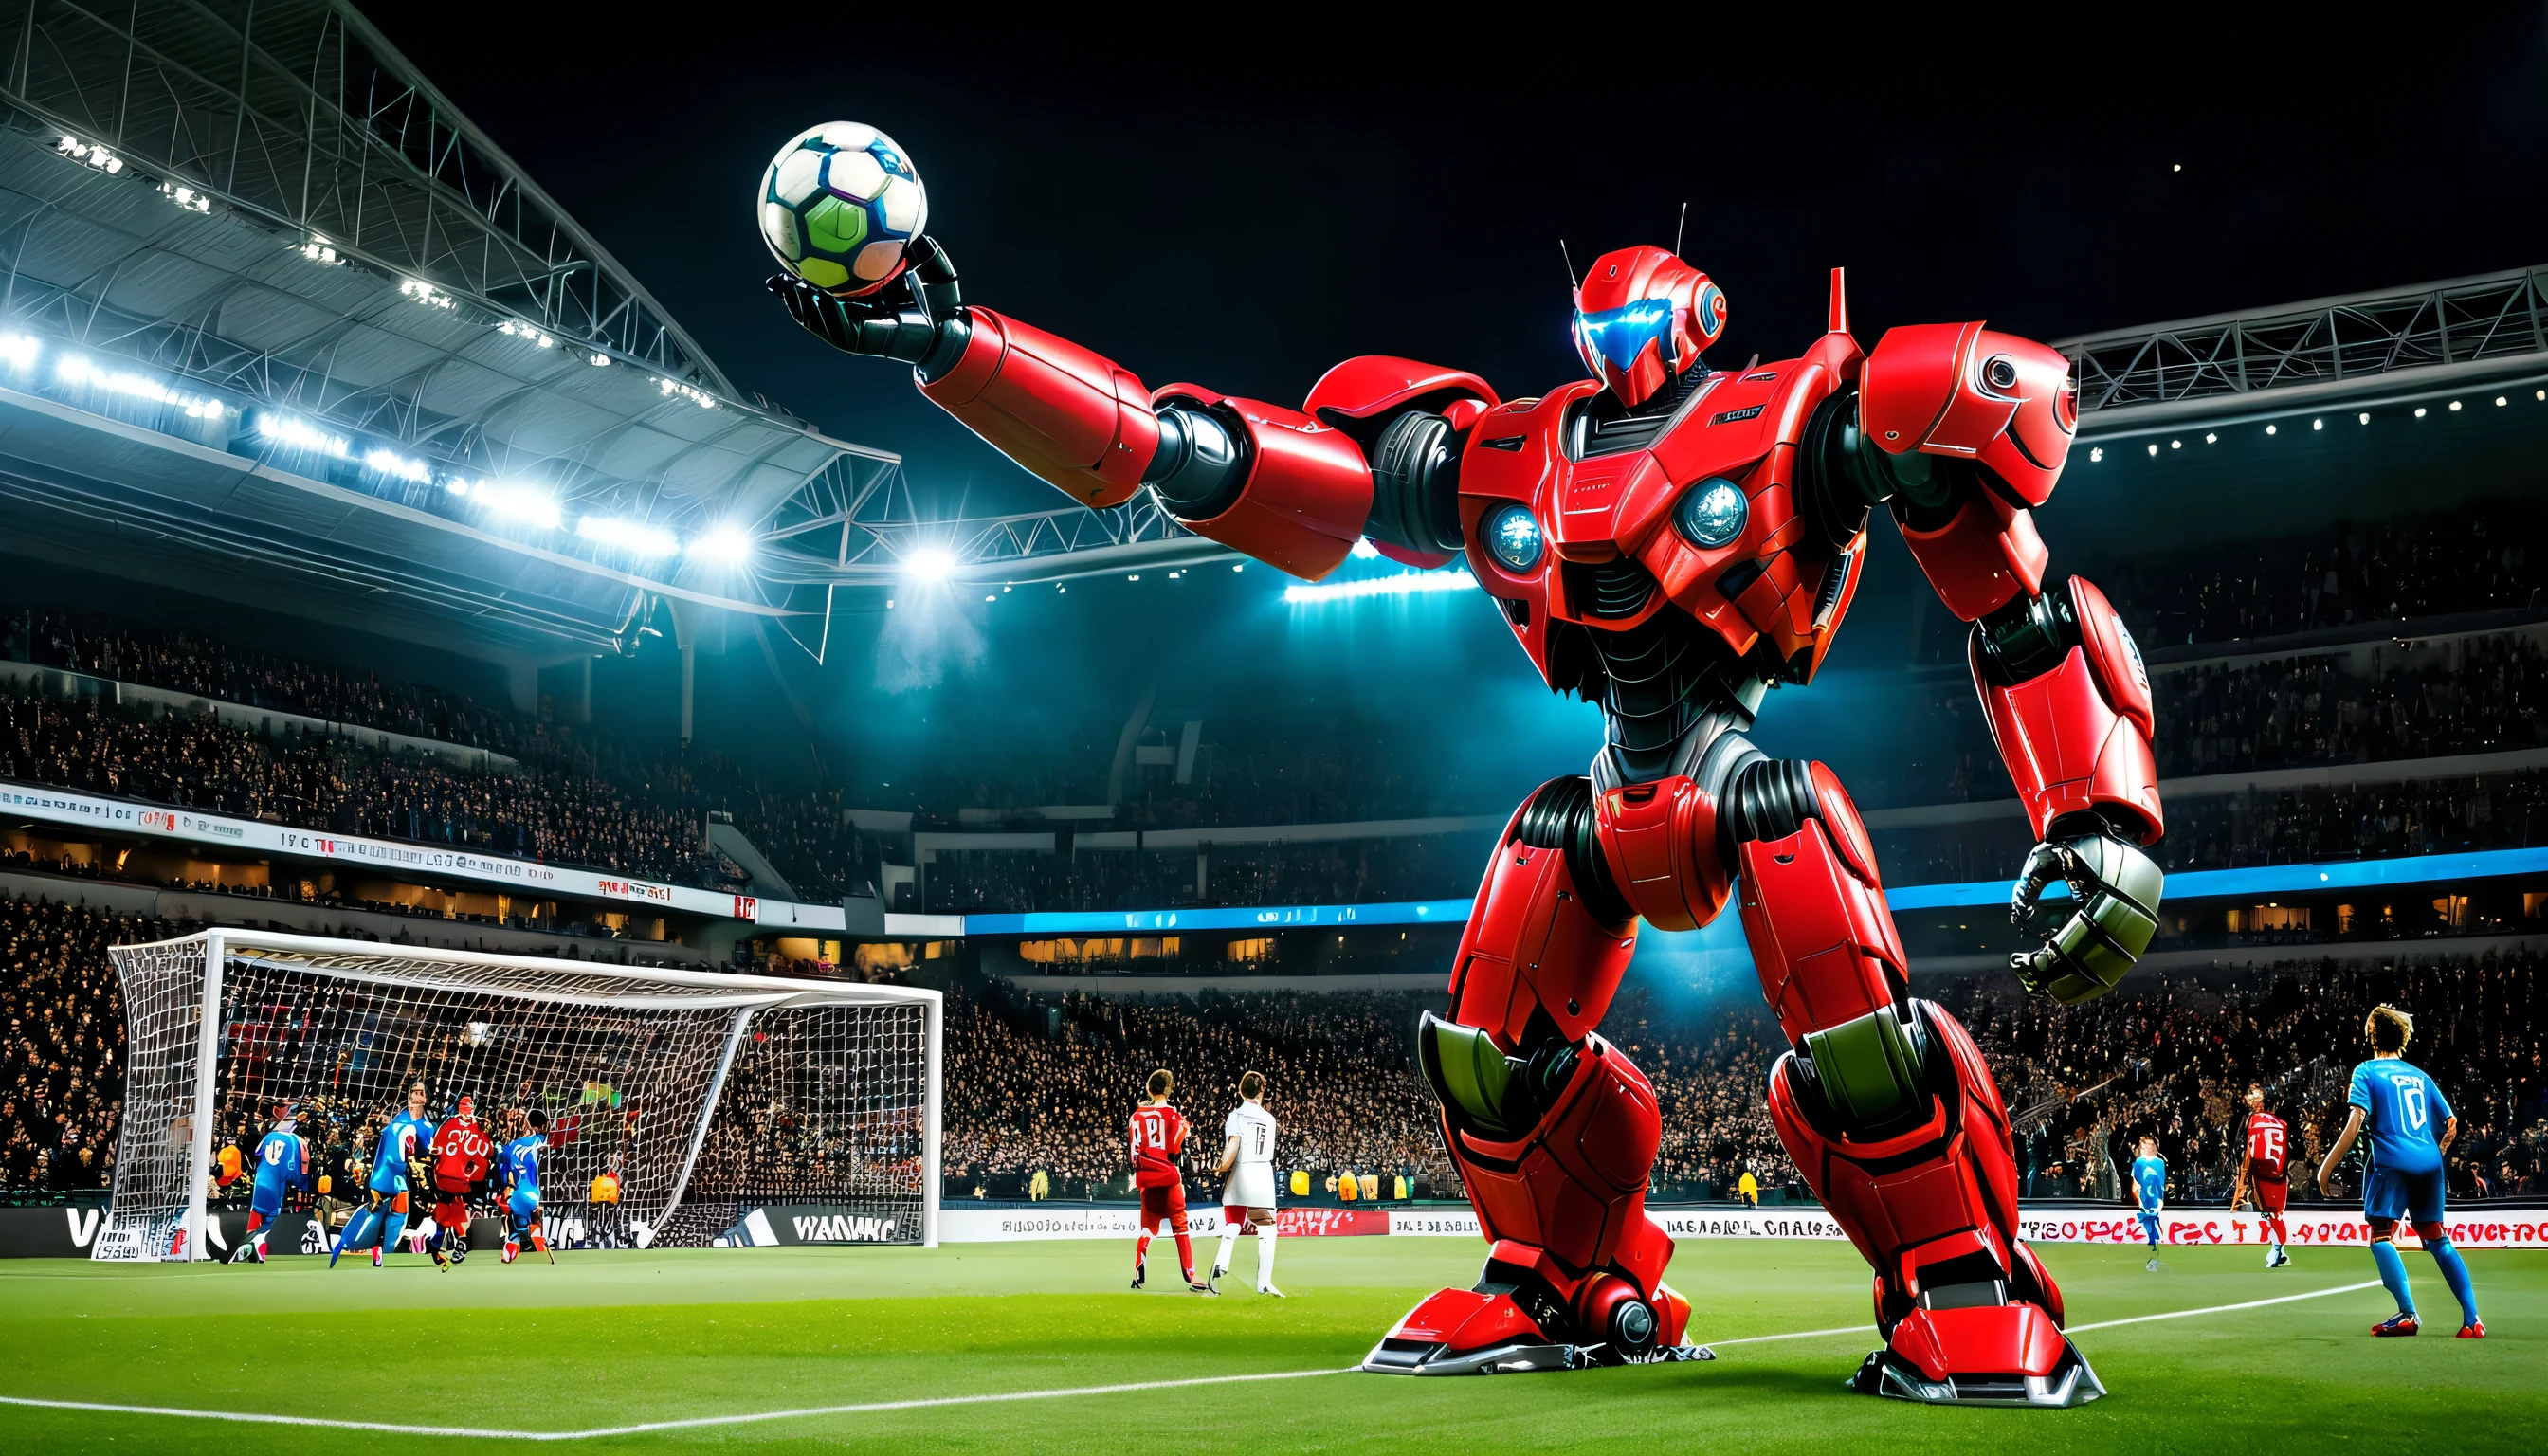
x,y
518,1168
282,1163
2401,1104
402,1143
2149,1185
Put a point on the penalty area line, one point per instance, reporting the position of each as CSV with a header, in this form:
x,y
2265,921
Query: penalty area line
x,y
689,1424
1866,1329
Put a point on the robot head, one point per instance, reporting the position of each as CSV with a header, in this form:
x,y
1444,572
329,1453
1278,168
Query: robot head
x,y
1641,316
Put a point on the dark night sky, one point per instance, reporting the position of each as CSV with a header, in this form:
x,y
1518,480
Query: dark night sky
x,y
1245,217
1364,188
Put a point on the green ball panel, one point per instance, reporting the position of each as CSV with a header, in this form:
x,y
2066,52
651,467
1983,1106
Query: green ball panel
x,y
822,272
833,225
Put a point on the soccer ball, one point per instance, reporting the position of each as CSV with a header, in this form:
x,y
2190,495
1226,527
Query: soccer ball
x,y
838,205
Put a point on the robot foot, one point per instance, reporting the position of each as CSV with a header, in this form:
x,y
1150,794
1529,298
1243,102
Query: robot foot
x,y
1468,1332
1986,1355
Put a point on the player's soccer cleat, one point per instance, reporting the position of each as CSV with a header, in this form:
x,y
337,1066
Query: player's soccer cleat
x,y
1267,1289
377,1252
2474,1329
441,1260
512,1250
1215,1277
1199,1287
259,1248
2396,1325
2277,1259
2152,1266
1141,1274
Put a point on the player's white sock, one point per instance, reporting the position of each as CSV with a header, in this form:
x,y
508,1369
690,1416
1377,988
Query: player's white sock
x,y
1229,1241
1265,1255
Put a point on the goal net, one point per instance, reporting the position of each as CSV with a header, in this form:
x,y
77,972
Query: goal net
x,y
705,1093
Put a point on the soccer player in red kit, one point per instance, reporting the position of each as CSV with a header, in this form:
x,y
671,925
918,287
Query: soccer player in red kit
x,y
462,1153
2269,1146
1158,1135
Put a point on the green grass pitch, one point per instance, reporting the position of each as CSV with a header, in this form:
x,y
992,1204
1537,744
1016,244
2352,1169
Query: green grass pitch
x,y
615,1339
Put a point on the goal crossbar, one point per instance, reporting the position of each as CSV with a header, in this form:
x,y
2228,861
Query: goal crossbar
x,y
795,1090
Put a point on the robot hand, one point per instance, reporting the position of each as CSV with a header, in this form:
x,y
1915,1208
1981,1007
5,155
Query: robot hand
x,y
917,316
2115,887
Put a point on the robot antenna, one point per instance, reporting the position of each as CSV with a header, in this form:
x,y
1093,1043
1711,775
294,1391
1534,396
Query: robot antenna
x,y
1569,264
1681,226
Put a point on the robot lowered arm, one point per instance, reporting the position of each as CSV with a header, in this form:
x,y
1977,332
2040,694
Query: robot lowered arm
x,y
1961,432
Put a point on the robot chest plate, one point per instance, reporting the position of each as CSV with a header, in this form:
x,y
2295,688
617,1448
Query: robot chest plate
x,y
1692,512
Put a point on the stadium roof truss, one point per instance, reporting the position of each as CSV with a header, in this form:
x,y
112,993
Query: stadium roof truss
x,y
265,206
2435,336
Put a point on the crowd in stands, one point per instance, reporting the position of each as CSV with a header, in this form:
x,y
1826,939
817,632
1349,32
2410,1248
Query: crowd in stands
x,y
62,1066
578,796
1313,873
2174,1057
2295,711
2469,559
1038,1083
180,661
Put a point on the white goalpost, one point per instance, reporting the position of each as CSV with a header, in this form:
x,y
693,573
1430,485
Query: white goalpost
x,y
709,1093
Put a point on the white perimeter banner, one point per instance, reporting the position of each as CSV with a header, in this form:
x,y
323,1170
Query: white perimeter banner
x,y
2480,1227
61,806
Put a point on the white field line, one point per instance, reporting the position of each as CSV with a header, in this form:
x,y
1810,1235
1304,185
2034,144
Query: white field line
x,y
928,1403
259,1419
1865,1329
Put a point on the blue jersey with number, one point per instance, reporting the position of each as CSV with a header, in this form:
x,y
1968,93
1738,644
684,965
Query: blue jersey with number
x,y
521,1162
278,1167
2404,1111
405,1137
2149,1180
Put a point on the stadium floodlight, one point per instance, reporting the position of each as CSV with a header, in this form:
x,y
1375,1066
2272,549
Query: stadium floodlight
x,y
930,564
2096,453
513,501
726,545
1402,583
186,197
2363,418
2269,430
19,350
632,537
95,155
2420,411
392,463
284,429
2455,406
424,293
597,359
519,330
79,369
690,392
854,1072
319,250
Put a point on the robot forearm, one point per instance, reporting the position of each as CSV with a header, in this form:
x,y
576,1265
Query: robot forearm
x,y
1268,481
2069,706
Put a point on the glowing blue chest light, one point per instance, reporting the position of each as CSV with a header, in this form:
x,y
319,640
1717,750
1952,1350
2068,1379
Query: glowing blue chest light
x,y
1513,537
1712,512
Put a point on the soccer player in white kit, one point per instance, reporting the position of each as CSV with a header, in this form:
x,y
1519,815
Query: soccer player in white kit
x,y
1248,1199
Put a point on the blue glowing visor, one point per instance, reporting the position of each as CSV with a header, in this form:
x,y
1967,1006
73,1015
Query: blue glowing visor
x,y
1620,335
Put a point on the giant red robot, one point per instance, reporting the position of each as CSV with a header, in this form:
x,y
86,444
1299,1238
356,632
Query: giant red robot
x,y
1671,541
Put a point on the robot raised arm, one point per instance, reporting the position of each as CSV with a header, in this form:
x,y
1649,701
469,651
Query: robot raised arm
x,y
1961,432
1292,488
